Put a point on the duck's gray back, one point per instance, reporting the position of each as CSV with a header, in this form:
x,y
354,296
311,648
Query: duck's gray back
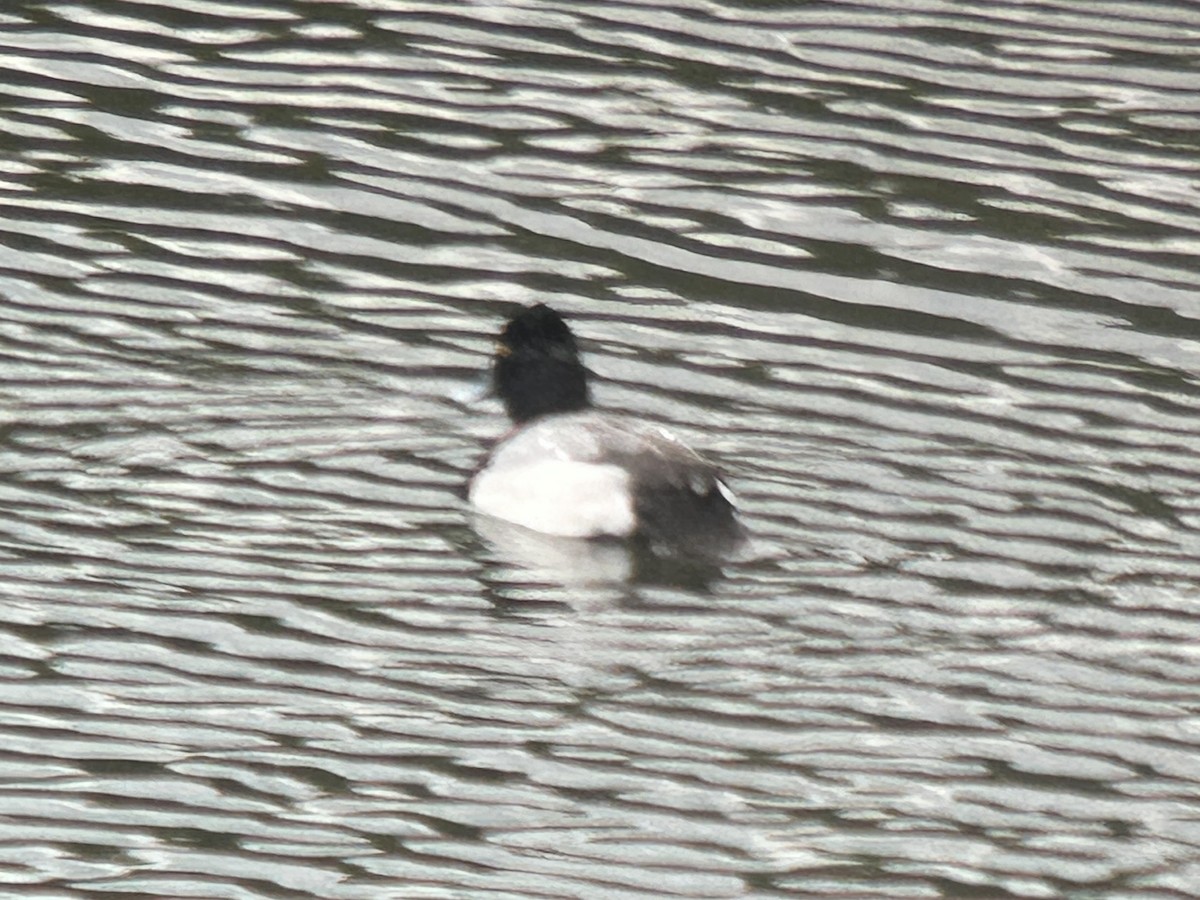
x,y
649,452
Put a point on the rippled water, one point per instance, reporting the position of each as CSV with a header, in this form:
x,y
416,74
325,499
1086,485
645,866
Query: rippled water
x,y
921,275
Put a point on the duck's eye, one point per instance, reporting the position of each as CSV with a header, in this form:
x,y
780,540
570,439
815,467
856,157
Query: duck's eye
x,y
502,349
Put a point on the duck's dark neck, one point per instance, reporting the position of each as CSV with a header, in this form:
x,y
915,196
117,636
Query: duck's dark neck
x,y
546,389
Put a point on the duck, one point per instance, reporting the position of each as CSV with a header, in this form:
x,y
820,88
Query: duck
x,y
571,470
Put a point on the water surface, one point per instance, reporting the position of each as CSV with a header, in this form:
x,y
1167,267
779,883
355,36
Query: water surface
x,y
921,276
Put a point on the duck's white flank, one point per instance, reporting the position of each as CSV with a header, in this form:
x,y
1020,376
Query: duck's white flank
x,y
563,497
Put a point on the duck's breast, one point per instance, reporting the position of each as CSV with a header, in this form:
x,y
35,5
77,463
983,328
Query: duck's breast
x,y
564,497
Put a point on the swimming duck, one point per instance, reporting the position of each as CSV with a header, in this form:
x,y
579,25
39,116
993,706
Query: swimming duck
x,y
571,470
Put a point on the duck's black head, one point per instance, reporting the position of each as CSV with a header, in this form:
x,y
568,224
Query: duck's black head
x,y
537,370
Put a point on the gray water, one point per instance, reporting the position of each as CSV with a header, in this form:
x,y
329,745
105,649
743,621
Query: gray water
x,y
922,276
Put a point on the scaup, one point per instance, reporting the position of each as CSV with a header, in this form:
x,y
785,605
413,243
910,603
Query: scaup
x,y
571,470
